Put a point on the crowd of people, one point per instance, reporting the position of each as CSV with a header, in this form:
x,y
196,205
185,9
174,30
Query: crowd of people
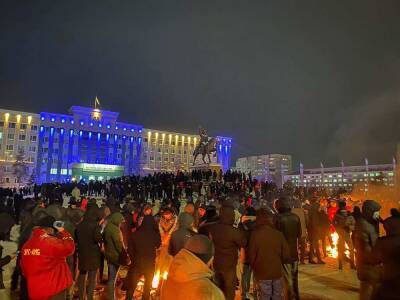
x,y
198,235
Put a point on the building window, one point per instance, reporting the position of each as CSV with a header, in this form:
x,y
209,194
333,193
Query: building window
x,y
10,147
23,126
34,127
1,124
22,137
11,125
10,136
33,138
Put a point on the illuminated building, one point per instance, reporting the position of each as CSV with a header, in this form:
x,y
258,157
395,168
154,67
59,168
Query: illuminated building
x,y
171,151
344,176
18,134
84,140
268,167
91,143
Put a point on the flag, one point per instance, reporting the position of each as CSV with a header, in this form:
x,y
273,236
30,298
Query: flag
x,y
96,102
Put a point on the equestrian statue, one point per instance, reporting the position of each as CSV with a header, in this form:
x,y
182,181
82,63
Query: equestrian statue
x,y
206,146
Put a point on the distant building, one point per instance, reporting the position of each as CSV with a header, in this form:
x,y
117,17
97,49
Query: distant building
x,y
268,167
18,134
344,176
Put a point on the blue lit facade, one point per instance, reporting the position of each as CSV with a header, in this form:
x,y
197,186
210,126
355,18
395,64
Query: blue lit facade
x,y
86,136
224,152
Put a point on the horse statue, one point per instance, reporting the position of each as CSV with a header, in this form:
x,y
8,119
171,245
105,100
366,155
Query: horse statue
x,y
205,149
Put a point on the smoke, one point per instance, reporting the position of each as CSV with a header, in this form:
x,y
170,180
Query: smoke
x,y
370,130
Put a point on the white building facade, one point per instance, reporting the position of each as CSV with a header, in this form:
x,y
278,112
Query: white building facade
x,y
268,167
18,138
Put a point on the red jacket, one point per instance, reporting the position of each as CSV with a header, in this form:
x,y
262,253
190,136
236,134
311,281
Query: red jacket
x,y
43,263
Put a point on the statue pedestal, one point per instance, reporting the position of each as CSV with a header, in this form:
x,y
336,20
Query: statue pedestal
x,y
205,167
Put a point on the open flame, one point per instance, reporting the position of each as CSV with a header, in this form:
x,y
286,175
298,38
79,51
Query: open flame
x,y
156,280
332,250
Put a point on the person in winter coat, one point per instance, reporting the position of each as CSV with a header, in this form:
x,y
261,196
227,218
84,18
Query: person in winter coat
x,y
227,241
366,234
386,251
247,224
299,211
88,239
315,232
142,246
190,276
344,224
289,224
268,251
8,253
43,261
180,236
113,244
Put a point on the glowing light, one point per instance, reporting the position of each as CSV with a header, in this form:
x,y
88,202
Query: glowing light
x,y
42,118
71,132
163,136
6,116
108,126
107,136
72,121
195,140
90,135
131,139
156,280
80,133
82,123
96,114
116,127
132,130
183,139
18,118
100,125
165,275
149,134
29,119
62,120
98,136
91,124
62,131
156,135
332,250
189,139
41,128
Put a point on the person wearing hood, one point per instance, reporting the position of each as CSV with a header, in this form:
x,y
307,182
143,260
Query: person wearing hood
x,y
142,246
180,236
386,252
88,238
113,245
227,240
366,234
43,261
268,251
290,226
344,224
190,276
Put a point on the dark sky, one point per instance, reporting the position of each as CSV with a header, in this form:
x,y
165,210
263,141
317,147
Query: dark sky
x,y
316,79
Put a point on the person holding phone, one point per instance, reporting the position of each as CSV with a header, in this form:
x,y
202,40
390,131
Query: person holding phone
x,y
43,260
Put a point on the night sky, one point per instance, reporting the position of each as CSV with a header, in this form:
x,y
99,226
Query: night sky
x,y
316,79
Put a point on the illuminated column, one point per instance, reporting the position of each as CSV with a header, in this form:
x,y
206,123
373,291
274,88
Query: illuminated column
x,y
138,155
122,162
130,167
89,148
60,153
115,149
39,158
50,154
98,148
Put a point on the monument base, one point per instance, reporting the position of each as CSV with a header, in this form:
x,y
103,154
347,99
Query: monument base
x,y
205,167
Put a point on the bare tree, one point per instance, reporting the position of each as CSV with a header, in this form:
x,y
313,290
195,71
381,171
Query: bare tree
x,y
20,167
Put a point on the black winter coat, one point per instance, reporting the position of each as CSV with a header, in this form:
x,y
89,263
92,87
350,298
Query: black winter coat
x,y
227,240
143,243
88,238
289,224
365,237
